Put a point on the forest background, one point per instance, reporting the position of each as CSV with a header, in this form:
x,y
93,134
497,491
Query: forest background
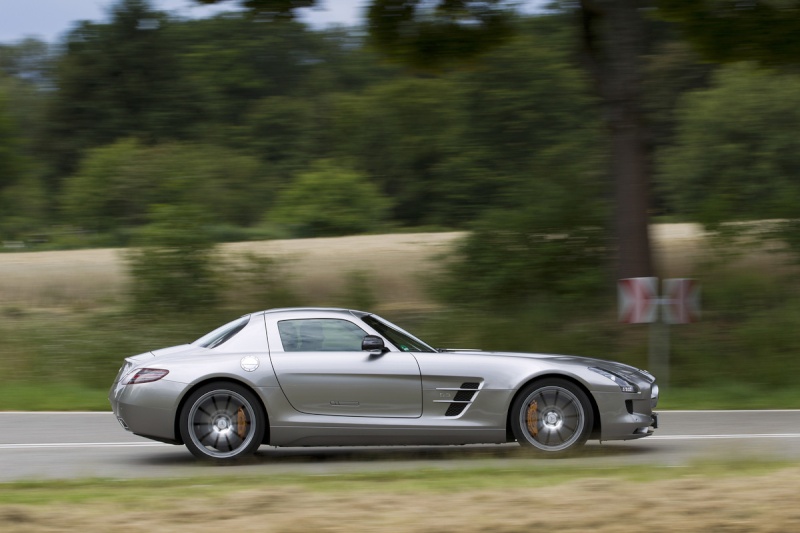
x,y
164,137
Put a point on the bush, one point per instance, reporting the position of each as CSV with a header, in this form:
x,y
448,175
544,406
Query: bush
x,y
553,248
173,267
259,282
330,200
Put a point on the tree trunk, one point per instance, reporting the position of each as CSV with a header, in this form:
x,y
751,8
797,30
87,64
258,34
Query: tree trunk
x,y
614,37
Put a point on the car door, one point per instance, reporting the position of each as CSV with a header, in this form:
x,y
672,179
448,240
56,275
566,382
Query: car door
x,y
322,370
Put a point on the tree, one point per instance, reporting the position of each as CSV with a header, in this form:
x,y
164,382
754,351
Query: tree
x,y
116,185
10,160
19,194
24,80
613,45
550,242
280,130
428,35
173,266
766,31
30,60
329,200
117,80
736,154
402,133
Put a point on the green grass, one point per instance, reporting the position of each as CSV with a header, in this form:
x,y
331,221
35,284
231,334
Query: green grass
x,y
52,397
135,492
730,396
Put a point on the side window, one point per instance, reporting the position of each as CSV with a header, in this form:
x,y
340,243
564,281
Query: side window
x,y
320,335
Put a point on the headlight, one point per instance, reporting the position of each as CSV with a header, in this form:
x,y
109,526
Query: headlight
x,y
624,385
145,375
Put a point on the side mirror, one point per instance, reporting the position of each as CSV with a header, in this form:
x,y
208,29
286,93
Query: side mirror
x,y
373,344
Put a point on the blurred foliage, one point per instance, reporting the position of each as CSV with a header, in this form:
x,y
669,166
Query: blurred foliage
x,y
75,352
430,35
175,134
173,266
729,165
359,291
741,354
146,98
258,282
12,162
745,341
553,246
230,187
330,200
767,31
125,78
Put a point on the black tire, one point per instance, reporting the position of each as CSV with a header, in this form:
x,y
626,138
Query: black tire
x,y
553,416
222,422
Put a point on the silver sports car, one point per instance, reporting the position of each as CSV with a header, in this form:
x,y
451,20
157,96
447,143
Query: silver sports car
x,y
330,377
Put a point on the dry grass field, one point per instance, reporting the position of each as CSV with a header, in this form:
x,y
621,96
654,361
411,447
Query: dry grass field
x,y
764,503
97,278
397,265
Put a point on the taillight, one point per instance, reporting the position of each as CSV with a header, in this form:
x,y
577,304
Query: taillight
x,y
145,375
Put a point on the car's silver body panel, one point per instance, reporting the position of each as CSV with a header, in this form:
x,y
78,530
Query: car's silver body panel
x,y
361,398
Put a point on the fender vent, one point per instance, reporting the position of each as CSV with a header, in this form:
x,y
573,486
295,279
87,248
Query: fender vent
x,y
464,396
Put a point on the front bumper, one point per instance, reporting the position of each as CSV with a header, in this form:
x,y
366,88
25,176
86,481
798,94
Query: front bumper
x,y
625,416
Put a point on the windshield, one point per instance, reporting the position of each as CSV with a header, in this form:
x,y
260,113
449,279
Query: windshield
x,y
403,340
222,333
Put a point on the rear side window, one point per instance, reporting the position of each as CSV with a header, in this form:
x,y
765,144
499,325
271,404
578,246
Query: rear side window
x,y
222,334
320,335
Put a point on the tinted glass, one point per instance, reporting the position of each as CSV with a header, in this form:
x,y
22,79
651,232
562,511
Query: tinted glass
x,y
320,335
403,340
223,333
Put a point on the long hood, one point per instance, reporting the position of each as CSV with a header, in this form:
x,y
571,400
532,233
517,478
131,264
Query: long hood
x,y
568,360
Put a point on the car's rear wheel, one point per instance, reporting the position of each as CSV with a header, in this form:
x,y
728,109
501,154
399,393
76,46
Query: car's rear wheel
x,y
552,415
222,421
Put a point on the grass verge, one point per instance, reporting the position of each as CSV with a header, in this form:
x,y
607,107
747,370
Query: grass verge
x,y
134,492
722,496
52,397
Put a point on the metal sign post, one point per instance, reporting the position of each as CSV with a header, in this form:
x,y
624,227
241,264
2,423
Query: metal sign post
x,y
658,353
639,304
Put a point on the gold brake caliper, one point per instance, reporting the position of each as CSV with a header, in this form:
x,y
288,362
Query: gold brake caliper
x,y
532,419
241,423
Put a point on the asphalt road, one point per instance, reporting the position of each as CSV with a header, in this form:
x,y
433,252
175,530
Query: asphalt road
x,y
78,445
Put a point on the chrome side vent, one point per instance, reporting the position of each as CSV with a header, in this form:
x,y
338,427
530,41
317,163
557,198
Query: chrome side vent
x,y
463,397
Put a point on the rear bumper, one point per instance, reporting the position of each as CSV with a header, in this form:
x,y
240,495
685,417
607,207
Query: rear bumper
x,y
147,409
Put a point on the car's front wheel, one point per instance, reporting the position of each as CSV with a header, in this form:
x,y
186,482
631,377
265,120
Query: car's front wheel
x,y
552,415
222,421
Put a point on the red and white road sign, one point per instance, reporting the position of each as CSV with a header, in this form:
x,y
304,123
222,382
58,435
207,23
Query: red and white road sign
x,y
681,301
638,300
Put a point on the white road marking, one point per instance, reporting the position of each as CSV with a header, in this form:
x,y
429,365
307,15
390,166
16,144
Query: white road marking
x,y
734,436
22,446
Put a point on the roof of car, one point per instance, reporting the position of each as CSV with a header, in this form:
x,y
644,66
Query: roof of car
x,y
321,310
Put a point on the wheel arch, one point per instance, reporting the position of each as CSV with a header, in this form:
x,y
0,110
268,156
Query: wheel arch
x,y
595,432
218,379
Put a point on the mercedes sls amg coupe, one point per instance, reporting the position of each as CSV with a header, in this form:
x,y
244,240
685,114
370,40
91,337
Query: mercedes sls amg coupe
x,y
337,377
